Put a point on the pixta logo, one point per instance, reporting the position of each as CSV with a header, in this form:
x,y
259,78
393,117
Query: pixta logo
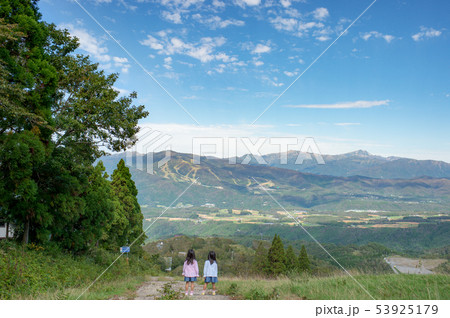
x,y
149,142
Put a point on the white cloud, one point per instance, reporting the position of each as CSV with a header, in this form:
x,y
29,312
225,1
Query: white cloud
x,y
375,34
290,74
347,124
174,17
122,63
285,3
191,97
320,13
251,3
122,91
120,60
203,51
286,24
299,28
89,43
181,3
215,22
323,38
272,81
96,48
218,4
261,48
345,105
168,63
426,33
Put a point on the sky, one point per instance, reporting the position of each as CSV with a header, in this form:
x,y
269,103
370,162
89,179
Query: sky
x,y
269,69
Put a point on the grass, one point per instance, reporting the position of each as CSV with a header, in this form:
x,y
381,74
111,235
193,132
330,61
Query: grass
x,y
410,287
35,272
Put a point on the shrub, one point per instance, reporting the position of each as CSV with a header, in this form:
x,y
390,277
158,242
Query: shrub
x,y
168,293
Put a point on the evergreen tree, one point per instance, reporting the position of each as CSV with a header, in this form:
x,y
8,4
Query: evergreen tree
x,y
259,265
276,257
303,260
291,260
56,107
126,192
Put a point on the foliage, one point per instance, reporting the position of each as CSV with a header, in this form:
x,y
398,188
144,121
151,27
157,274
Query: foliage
x,y
57,108
304,264
35,271
276,257
232,290
127,225
168,293
292,263
260,260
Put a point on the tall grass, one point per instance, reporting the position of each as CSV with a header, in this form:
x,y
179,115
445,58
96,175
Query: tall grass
x,y
389,286
35,272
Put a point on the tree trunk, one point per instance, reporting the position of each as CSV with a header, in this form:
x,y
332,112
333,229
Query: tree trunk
x,y
26,232
7,230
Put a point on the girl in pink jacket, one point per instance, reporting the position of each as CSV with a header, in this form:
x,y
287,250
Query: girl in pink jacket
x,y
190,271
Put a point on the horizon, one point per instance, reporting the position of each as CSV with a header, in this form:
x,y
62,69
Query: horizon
x,y
272,153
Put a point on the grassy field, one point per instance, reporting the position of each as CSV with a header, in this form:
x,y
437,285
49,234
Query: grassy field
x,y
339,287
34,272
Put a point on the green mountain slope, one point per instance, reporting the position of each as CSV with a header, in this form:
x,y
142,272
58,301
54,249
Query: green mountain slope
x,y
239,186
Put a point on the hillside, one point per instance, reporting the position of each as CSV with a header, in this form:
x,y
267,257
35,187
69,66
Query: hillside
x,y
238,186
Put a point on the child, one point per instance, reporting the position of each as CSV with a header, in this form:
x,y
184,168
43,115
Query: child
x,y
190,271
210,272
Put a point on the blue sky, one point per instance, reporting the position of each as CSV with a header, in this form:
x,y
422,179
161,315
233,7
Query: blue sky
x,y
383,86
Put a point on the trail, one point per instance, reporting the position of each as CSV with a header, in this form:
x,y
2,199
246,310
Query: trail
x,y
152,289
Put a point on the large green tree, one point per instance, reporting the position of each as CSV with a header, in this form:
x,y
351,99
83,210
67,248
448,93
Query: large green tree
x,y
125,191
57,109
276,257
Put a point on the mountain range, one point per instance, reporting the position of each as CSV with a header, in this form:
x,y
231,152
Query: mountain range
x,y
217,182
359,163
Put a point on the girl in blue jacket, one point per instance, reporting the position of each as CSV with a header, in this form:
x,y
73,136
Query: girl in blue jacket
x,y
210,272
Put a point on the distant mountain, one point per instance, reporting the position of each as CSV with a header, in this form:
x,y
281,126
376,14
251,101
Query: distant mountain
x,y
239,186
361,163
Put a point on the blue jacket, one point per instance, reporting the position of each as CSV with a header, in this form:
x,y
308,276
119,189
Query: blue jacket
x,y
210,270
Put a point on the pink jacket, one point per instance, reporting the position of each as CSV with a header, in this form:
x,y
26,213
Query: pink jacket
x,y
190,270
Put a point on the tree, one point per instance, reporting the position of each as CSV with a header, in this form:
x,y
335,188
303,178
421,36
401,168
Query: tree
x,y
58,107
276,257
259,265
125,192
291,260
303,260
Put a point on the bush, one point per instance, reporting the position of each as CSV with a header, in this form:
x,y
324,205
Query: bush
x,y
168,293
233,290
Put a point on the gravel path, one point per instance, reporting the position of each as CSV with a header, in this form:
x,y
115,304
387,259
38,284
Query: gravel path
x,y
152,290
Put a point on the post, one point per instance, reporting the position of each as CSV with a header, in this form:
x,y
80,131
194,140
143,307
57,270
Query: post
x,y
7,230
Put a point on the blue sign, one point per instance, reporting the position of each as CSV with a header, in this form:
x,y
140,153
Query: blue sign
x,y
125,249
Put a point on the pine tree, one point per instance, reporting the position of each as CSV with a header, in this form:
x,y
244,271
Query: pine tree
x,y
276,257
303,260
259,265
291,260
126,192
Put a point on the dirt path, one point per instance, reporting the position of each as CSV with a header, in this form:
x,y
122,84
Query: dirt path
x,y
152,289
413,266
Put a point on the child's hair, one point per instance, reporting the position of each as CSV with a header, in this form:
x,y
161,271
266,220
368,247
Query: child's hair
x,y
190,257
212,257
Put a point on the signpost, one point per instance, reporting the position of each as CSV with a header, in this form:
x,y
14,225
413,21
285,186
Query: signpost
x,y
125,249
